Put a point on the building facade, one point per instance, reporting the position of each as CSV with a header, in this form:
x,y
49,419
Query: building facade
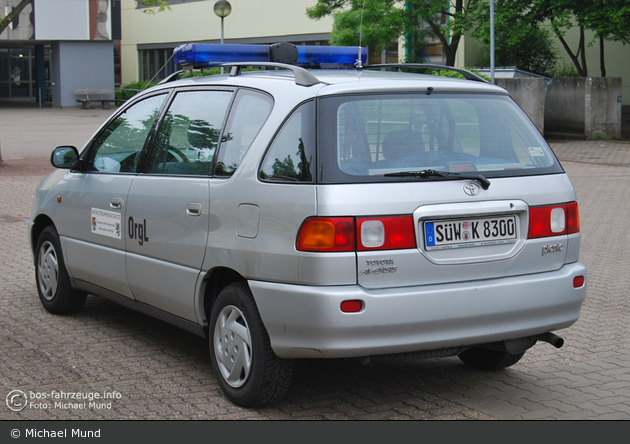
x,y
57,46
149,38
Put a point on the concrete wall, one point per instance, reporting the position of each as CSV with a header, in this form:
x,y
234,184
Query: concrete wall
x,y
530,96
585,107
81,64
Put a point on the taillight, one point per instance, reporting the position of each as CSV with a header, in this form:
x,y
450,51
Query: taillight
x,y
371,233
385,233
573,218
326,234
553,220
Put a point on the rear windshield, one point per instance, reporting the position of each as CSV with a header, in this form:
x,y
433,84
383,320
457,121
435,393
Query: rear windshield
x,y
367,138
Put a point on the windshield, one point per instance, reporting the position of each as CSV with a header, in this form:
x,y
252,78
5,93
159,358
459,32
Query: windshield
x,y
368,138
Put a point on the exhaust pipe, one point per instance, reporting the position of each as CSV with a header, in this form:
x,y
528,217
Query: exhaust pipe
x,y
552,339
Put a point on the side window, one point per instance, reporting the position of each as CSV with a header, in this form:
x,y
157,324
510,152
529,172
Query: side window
x,y
118,147
248,115
189,135
291,155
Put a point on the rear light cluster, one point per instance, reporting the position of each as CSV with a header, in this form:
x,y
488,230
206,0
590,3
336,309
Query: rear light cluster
x,y
356,234
338,234
553,220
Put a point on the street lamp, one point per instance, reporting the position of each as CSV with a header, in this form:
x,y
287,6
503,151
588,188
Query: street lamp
x,y
222,8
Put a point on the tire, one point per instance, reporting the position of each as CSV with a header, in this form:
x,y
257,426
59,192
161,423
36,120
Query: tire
x,y
52,279
489,360
247,369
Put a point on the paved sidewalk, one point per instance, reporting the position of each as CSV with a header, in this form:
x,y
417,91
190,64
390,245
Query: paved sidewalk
x,y
155,371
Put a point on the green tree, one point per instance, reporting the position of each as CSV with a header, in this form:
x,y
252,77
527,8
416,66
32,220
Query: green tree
x,y
607,19
529,47
376,25
385,20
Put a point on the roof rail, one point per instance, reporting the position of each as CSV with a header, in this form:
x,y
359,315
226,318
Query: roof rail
x,y
467,74
302,76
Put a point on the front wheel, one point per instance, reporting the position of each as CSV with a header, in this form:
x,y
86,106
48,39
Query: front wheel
x,y
53,282
489,360
248,371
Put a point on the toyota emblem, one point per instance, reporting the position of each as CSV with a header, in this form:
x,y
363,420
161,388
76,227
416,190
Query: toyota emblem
x,y
472,189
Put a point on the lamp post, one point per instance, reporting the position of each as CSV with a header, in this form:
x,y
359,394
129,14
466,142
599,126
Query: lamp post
x,y
222,8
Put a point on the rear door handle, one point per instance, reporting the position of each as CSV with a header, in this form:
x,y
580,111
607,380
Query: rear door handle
x,y
193,209
116,203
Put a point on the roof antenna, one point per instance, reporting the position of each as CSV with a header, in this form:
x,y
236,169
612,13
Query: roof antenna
x,y
358,63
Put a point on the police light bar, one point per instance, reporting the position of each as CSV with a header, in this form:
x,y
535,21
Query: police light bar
x,y
201,54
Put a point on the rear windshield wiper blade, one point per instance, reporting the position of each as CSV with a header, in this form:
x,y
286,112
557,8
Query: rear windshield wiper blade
x,y
485,183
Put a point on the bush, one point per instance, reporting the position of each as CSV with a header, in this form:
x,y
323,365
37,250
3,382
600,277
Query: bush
x,y
530,48
564,70
131,89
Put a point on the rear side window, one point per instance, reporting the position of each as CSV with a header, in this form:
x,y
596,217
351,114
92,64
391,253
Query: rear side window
x,y
291,155
367,137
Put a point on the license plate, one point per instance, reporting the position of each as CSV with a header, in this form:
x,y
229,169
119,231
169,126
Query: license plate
x,y
464,233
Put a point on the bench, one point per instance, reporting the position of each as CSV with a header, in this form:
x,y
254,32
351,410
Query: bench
x,y
85,103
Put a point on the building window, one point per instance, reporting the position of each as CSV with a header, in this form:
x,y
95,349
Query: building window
x,y
156,64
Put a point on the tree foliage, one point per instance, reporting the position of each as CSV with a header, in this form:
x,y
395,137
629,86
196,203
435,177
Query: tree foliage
x,y
527,46
386,20
161,4
607,19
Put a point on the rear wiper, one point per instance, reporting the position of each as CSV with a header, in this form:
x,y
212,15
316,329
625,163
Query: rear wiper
x,y
485,183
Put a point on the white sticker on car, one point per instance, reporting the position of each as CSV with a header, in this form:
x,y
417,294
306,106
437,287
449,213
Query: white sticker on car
x,y
536,151
106,223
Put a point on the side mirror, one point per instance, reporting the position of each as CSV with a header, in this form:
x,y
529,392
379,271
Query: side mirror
x,y
65,157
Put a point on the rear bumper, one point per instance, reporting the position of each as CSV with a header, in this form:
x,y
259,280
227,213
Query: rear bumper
x,y
306,321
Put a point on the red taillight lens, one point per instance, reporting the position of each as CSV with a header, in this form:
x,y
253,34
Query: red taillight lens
x,y
385,233
553,220
326,234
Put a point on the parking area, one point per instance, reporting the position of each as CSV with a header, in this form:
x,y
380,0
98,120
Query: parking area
x,y
142,368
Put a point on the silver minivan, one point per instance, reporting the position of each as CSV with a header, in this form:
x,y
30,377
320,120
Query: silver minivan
x,y
290,213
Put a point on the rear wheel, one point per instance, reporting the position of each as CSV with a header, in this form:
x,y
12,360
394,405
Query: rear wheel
x,y
489,360
53,282
248,371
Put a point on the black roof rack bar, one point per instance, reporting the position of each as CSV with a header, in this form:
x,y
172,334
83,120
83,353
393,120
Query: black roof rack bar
x,y
467,74
302,76
172,77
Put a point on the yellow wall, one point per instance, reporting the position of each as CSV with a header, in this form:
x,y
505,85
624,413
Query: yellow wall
x,y
196,21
